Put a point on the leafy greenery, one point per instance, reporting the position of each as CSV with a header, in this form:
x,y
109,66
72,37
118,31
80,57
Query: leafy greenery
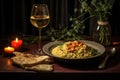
x,y
94,51
95,8
74,31
98,8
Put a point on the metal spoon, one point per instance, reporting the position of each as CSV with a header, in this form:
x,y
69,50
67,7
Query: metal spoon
x,y
112,52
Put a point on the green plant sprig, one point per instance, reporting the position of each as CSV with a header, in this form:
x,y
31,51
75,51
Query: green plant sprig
x,y
99,8
71,32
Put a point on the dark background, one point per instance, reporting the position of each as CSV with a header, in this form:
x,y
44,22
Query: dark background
x,y
14,16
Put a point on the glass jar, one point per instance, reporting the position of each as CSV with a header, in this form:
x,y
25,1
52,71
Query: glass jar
x,y
102,33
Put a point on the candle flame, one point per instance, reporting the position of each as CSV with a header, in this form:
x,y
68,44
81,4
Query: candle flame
x,y
8,47
16,39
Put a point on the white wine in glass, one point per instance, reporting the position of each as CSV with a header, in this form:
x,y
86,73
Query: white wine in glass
x,y
39,18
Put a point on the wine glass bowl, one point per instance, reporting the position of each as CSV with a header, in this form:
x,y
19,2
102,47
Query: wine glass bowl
x,y
39,18
40,21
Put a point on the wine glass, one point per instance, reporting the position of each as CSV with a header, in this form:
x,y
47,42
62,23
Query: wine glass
x,y
39,18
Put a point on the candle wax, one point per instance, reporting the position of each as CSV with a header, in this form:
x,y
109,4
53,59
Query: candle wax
x,y
9,49
16,43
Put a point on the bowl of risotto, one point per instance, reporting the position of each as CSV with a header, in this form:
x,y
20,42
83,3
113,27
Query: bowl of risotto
x,y
72,51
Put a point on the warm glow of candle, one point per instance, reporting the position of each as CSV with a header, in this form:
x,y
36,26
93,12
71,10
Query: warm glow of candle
x,y
16,39
17,44
9,49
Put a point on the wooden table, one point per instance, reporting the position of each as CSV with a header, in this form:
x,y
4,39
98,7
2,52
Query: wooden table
x,y
7,69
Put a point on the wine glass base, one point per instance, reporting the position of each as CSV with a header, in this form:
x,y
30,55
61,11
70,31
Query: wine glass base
x,y
38,52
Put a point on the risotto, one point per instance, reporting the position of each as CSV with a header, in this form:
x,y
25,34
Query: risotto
x,y
73,50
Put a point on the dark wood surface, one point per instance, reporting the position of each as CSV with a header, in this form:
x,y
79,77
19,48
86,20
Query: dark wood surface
x,y
112,66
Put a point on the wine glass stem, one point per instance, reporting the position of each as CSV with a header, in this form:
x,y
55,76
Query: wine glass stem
x,y
39,45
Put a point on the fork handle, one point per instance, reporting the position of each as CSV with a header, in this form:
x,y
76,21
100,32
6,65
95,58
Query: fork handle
x,y
102,65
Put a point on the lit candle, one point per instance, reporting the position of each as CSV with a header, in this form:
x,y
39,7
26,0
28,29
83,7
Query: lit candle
x,y
9,49
17,44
